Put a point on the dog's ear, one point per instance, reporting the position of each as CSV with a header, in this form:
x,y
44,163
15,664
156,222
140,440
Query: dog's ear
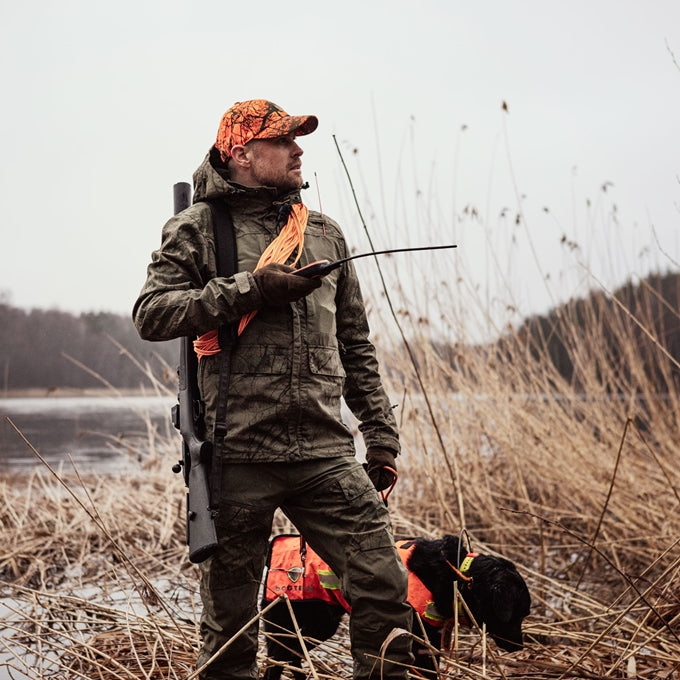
x,y
449,547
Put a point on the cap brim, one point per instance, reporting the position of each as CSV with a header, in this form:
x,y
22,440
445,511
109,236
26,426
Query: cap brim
x,y
300,125
307,125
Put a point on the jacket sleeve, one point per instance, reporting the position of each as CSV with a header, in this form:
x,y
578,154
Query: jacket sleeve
x,y
182,295
364,391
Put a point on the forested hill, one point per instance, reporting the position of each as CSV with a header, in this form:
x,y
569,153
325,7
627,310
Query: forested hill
x,y
35,344
625,341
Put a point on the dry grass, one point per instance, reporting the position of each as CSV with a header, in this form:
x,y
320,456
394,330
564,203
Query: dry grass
x,y
579,487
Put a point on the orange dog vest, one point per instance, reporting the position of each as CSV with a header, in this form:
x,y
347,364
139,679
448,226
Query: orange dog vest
x,y
301,574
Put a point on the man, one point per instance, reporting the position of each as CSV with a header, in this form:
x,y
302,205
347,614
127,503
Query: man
x,y
303,343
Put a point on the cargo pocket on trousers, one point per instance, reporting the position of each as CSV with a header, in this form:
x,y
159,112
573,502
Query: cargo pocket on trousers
x,y
355,484
372,528
374,568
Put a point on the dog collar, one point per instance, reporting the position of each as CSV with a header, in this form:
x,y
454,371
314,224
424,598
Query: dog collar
x,y
467,563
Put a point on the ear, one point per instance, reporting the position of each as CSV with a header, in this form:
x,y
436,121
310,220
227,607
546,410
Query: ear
x,y
240,156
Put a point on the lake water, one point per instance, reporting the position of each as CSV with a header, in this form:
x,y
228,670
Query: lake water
x,y
92,430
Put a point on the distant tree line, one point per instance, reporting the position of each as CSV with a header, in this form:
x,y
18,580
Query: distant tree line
x,y
631,337
35,346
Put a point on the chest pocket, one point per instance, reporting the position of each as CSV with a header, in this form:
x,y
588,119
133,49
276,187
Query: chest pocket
x,y
321,307
325,361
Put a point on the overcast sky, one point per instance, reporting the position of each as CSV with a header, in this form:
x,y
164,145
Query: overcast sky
x,y
107,104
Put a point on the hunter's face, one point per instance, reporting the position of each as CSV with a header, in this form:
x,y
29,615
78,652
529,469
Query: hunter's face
x,y
276,162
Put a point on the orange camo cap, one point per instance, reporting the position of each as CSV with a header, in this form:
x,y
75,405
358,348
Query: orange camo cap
x,y
258,119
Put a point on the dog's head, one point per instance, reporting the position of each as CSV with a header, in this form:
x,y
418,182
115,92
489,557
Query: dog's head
x,y
491,587
497,596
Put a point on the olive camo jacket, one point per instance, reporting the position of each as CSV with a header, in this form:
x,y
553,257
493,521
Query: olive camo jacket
x,y
292,363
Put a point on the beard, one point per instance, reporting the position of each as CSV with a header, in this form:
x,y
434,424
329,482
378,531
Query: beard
x,y
287,178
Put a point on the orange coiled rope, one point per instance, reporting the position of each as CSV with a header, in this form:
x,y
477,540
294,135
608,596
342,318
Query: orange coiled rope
x,y
292,236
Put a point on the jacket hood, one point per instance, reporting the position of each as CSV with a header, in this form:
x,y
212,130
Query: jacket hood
x,y
211,181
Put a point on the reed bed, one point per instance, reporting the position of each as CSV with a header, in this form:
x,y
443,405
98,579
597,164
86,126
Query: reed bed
x,y
576,480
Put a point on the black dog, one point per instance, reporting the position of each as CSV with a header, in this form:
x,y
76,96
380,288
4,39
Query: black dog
x,y
493,590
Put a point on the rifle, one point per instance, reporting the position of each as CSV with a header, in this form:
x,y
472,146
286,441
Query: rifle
x,y
187,417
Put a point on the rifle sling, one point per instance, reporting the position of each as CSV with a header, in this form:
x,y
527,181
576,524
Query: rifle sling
x,y
226,260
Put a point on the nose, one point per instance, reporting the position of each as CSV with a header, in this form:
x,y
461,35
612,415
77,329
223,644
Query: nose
x,y
297,149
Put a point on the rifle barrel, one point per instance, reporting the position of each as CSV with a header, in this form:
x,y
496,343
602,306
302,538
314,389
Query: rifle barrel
x,y
181,196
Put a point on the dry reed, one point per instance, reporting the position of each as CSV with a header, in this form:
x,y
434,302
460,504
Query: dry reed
x,y
576,481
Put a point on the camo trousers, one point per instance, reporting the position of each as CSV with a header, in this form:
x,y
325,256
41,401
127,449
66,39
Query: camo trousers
x,y
335,507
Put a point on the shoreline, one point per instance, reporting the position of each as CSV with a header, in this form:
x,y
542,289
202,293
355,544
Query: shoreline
x,y
62,392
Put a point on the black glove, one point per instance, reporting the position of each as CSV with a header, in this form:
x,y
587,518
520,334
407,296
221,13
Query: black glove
x,y
279,287
378,459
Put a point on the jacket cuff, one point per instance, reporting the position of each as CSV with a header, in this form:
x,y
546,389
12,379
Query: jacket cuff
x,y
247,287
385,442
245,282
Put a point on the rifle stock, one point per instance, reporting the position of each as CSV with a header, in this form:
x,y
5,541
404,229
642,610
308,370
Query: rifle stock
x,y
187,417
